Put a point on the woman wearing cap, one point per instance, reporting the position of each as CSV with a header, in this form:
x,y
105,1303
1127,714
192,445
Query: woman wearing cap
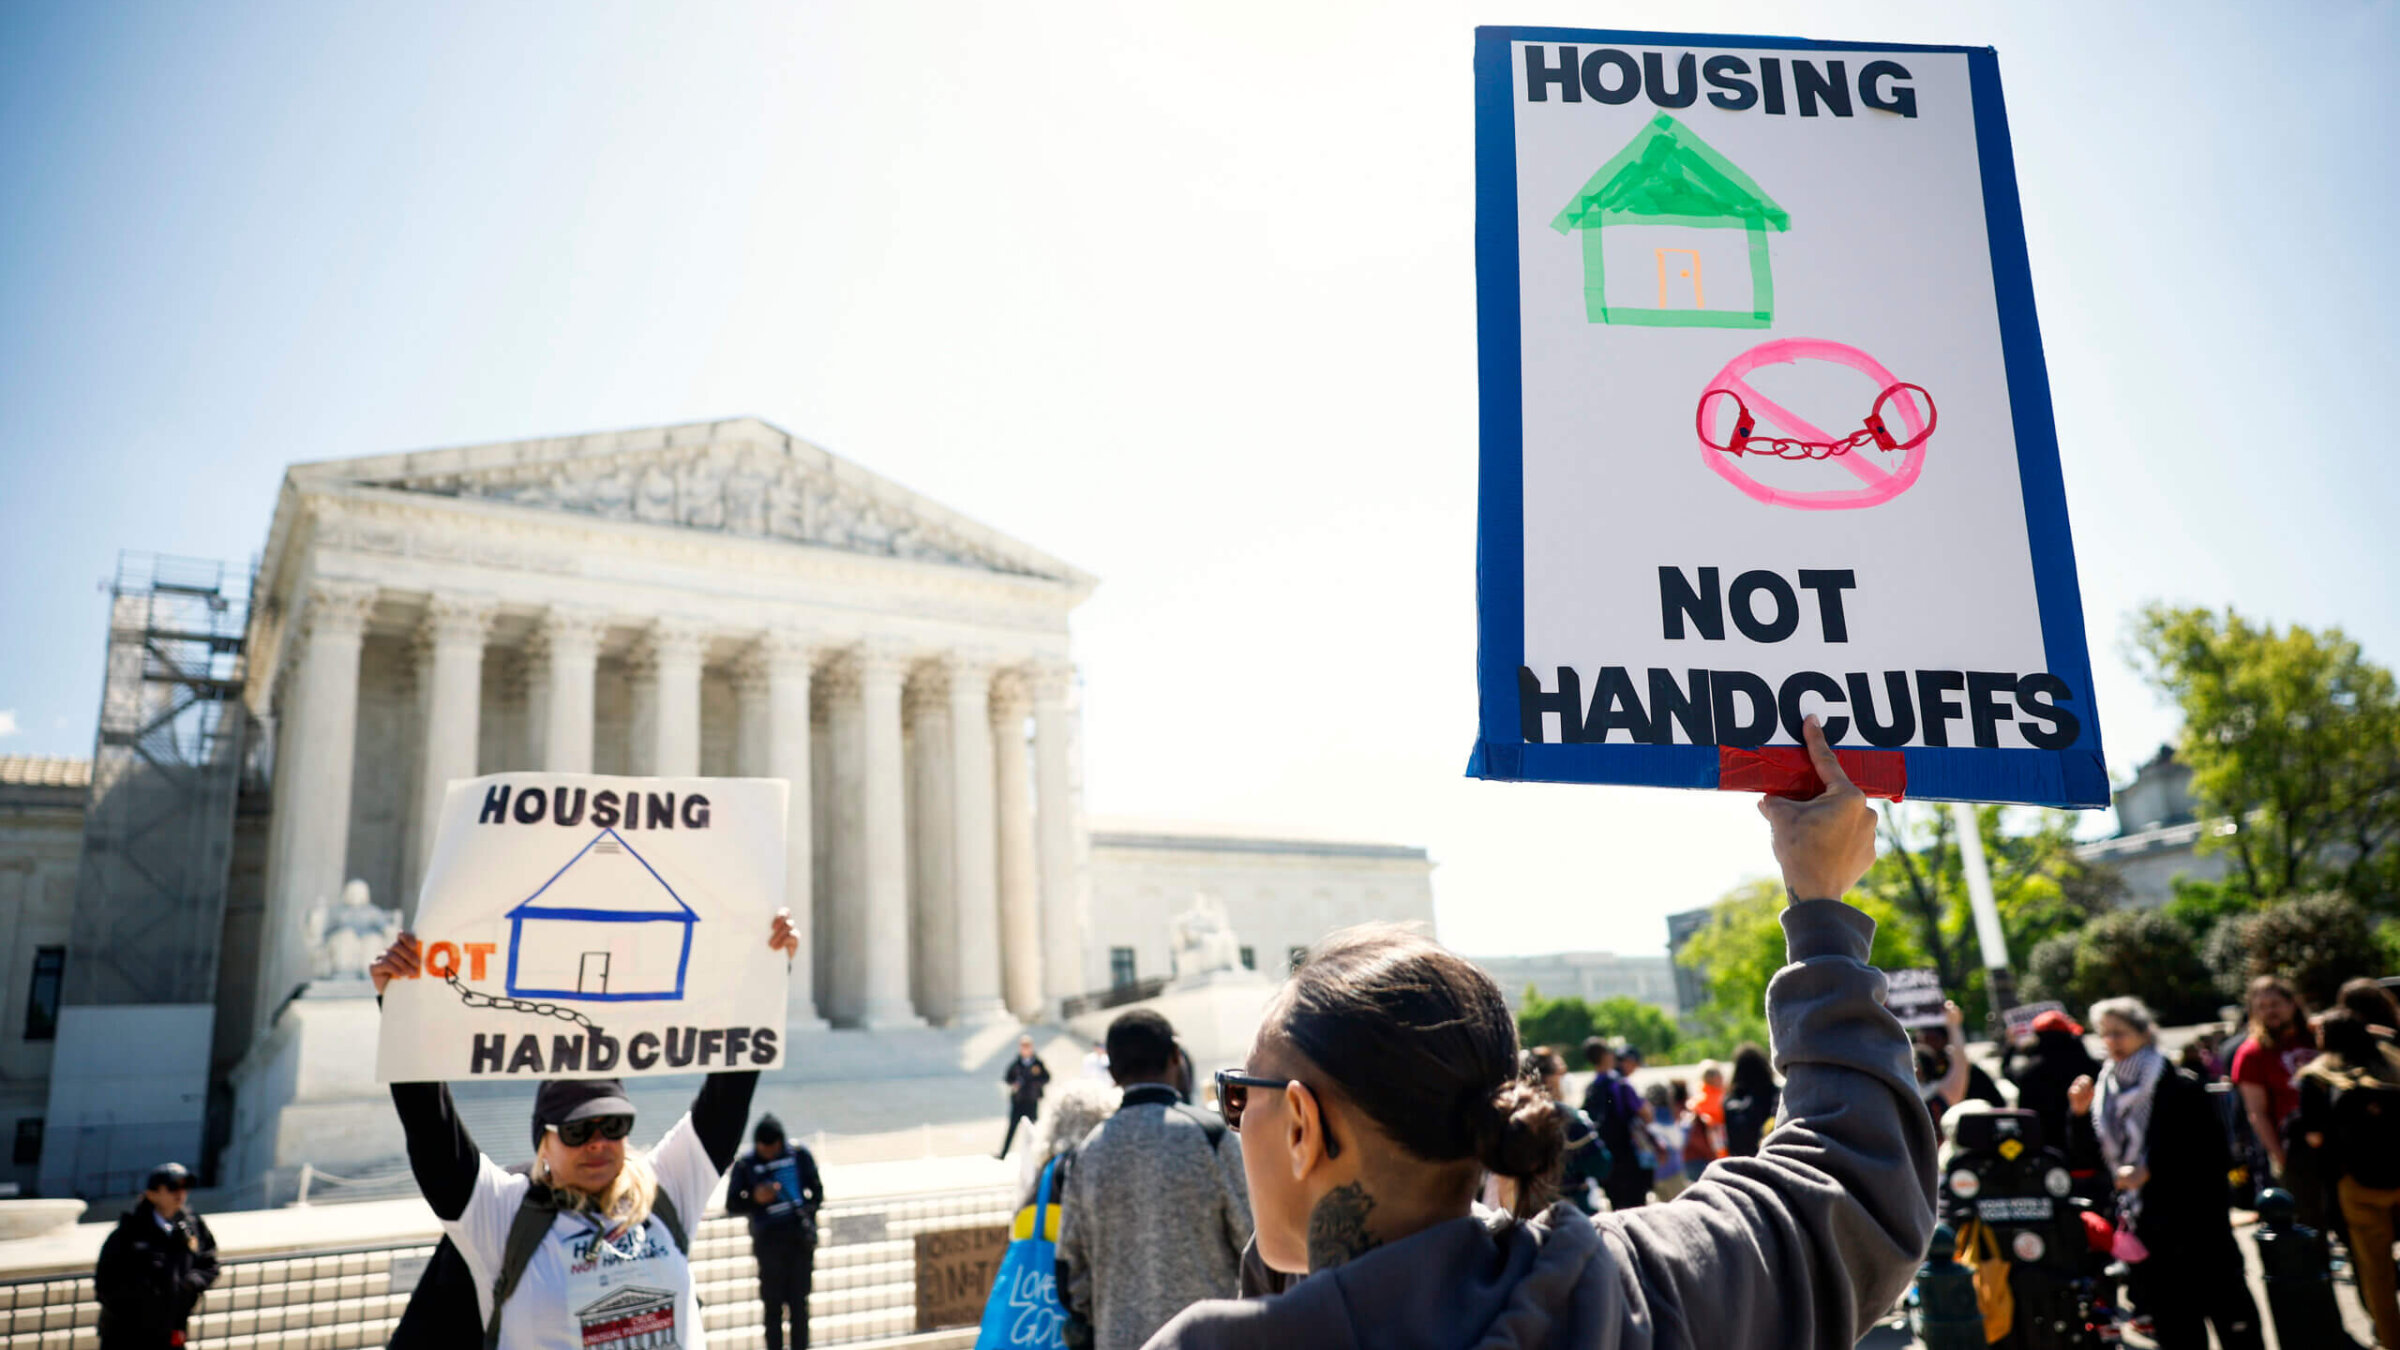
x,y
589,1248
1383,1082
2045,1067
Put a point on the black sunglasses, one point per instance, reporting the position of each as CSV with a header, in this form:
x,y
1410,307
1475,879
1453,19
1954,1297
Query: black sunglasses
x,y
577,1133
1233,1098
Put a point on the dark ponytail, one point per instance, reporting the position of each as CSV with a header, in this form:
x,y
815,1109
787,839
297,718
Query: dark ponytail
x,y
1521,1132
1420,1040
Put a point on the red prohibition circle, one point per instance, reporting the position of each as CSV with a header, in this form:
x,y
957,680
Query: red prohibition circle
x,y
1803,441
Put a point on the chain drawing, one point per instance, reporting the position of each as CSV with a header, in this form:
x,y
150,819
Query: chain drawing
x,y
504,1003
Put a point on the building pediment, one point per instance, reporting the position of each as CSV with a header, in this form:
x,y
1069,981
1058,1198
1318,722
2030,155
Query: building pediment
x,y
742,477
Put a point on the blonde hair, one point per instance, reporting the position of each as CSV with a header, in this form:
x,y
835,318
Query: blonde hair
x,y
627,1202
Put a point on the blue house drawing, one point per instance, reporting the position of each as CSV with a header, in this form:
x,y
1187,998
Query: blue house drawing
x,y
605,928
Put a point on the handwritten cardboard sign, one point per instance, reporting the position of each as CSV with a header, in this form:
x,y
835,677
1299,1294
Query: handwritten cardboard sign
x,y
583,926
955,1270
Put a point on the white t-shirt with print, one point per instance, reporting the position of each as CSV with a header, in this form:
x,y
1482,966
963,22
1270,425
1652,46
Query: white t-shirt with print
x,y
581,1291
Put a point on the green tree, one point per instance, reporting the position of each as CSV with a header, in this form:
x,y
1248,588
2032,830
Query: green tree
x,y
2038,884
1741,948
2293,738
1625,1019
1560,1023
1564,1023
2144,953
2315,941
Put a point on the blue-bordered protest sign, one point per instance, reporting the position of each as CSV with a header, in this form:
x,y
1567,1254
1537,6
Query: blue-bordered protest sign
x,y
582,925
1766,430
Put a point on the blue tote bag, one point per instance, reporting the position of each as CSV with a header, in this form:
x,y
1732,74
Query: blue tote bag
x,y
1024,1312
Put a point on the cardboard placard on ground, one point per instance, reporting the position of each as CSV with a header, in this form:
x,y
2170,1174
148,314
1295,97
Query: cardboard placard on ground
x,y
1765,426
955,1271
583,926
1915,997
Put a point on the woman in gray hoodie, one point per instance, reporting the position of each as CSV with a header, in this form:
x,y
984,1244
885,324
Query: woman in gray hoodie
x,y
1383,1083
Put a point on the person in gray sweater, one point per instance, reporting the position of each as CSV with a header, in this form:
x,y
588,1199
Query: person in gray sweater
x,y
1156,1213
1383,1083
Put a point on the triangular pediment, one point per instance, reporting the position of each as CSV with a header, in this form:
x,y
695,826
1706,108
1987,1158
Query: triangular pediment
x,y
740,477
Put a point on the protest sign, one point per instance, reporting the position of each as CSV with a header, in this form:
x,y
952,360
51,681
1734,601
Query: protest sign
x,y
580,926
1915,997
955,1271
1766,430
2019,1019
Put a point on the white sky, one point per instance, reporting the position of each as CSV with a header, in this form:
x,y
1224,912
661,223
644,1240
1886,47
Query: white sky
x,y
1182,293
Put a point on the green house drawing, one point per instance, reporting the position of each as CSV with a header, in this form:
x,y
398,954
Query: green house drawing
x,y
1656,223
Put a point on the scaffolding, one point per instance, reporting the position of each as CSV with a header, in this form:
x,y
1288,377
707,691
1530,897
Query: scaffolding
x,y
166,770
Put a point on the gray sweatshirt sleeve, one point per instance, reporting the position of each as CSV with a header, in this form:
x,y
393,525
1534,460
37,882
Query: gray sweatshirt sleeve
x,y
1810,1241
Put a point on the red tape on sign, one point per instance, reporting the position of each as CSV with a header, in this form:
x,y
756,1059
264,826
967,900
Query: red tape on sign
x,y
1784,771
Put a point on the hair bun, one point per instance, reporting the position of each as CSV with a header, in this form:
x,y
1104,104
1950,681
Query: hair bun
x,y
1522,1133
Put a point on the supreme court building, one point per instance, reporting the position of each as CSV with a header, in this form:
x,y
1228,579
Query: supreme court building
x,y
709,599
719,599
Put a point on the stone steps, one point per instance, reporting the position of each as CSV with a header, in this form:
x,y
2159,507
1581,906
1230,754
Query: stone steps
x,y
865,1289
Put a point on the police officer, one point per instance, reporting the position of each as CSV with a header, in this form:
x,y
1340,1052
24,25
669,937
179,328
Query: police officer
x,y
154,1268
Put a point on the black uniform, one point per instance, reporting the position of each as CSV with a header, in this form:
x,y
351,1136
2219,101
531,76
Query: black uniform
x,y
783,1233
152,1273
1026,1078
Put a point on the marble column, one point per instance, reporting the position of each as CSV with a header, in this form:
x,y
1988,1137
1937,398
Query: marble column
x,y
533,675
785,660
641,710
1020,913
315,750
570,643
844,995
675,651
975,861
751,731
883,837
933,885
450,673
1056,824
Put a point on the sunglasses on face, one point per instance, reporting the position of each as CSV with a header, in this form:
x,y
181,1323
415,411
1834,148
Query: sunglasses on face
x,y
1233,1097
577,1133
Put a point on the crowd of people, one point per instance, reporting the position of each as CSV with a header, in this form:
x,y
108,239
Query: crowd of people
x,y
1390,1168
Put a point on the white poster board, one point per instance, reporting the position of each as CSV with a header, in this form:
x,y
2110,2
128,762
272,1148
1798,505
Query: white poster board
x,y
581,926
1766,430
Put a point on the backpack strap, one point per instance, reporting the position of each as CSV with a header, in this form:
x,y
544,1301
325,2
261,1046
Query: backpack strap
x,y
1211,1125
535,1215
663,1206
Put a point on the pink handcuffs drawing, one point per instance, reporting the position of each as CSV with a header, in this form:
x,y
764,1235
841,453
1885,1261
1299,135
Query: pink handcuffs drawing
x,y
1806,442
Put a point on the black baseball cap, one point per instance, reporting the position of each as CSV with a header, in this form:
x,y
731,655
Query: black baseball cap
x,y
769,1131
565,1099
173,1175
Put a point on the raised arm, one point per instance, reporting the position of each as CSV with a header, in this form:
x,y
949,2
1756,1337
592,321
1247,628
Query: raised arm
x,y
720,1112
1811,1240
1954,1082
440,1151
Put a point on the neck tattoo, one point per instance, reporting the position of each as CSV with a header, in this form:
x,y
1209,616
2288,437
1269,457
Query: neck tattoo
x,y
1337,1227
